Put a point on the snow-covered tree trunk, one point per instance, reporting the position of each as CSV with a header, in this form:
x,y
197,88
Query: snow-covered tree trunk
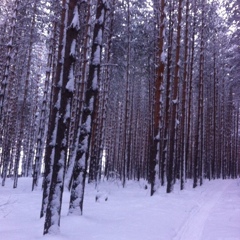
x,y
168,86
80,87
215,112
62,111
155,151
79,172
55,6
184,124
198,136
126,134
188,168
175,99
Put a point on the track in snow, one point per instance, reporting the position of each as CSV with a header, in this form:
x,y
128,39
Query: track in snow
x,y
193,227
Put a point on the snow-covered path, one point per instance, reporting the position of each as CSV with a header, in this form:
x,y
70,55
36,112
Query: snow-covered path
x,y
209,212
223,222
207,218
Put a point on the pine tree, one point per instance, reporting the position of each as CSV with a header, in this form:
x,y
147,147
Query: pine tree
x,y
80,167
62,111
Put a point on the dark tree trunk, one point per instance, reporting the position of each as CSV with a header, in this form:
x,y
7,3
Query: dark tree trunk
x,y
79,171
62,110
155,142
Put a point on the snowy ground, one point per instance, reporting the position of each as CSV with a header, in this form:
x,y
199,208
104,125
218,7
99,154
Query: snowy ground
x,y
210,212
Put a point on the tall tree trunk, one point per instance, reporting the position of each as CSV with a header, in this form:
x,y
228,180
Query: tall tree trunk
x,y
184,123
198,137
175,99
188,163
79,171
62,111
155,154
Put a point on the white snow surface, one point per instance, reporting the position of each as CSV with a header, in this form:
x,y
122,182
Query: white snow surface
x,y
70,83
75,21
209,212
96,56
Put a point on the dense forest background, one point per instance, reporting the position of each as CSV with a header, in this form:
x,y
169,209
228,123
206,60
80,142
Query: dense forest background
x,y
117,89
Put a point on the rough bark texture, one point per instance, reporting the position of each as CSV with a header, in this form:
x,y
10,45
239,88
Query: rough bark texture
x,y
79,171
